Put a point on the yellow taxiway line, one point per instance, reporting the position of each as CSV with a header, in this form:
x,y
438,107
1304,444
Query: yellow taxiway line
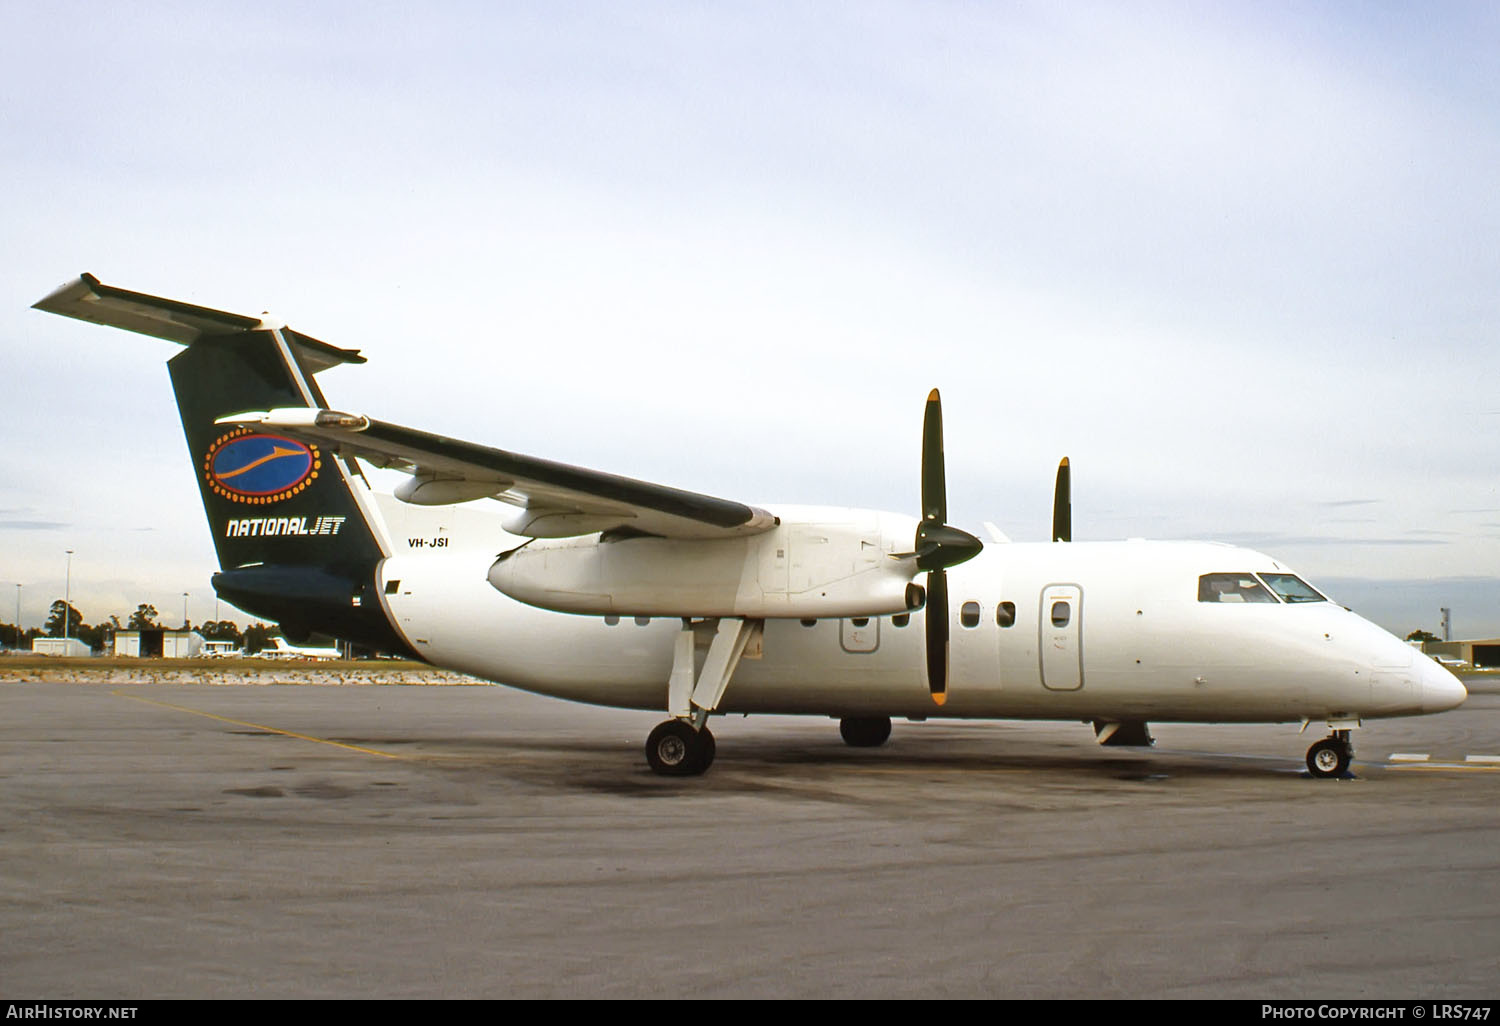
x,y
260,726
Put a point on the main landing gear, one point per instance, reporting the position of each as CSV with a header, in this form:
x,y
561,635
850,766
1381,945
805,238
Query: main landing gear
x,y
675,749
1331,756
865,731
684,746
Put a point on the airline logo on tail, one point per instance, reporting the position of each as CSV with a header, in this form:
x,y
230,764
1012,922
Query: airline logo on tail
x,y
253,468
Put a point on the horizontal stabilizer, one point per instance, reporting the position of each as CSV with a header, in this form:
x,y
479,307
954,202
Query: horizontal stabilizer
x,y
86,298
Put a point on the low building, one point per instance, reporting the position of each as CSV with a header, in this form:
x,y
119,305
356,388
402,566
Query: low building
x,y
1482,653
60,647
158,643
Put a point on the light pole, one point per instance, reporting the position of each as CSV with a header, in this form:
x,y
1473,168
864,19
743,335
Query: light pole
x,y
67,600
184,611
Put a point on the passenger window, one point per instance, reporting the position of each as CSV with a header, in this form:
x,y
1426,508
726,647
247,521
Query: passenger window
x,y
969,614
1232,588
392,587
860,621
641,621
809,623
612,619
1062,612
1005,614
901,619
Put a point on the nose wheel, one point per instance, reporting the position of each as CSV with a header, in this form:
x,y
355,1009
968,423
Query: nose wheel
x,y
1331,756
675,749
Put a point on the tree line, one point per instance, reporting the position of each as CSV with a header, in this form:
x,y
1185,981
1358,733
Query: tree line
x,y
64,619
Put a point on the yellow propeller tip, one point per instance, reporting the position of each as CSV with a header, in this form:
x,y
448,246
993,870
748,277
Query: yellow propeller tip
x,y
940,697
932,396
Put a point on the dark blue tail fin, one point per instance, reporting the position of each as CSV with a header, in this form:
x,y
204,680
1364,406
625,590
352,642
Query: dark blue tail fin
x,y
297,537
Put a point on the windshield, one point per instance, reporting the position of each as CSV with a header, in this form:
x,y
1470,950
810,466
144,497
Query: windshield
x,y
1232,588
1292,588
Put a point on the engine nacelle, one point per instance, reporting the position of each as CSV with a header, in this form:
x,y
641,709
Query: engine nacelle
x,y
443,489
817,563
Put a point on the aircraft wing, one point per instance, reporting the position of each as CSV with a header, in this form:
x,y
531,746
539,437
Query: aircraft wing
x,y
554,500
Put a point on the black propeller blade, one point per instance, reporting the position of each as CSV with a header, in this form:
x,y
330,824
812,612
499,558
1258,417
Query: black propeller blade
x,y
938,546
1062,504
936,618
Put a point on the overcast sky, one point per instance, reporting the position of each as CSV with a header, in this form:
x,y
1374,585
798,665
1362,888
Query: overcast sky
x,y
1238,261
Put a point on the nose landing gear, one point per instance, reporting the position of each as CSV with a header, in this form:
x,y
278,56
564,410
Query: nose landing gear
x,y
1331,756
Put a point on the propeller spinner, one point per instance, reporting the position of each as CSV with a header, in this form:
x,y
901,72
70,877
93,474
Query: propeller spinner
x,y
938,546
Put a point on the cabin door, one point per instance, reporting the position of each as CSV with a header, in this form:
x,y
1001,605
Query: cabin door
x,y
1061,637
859,633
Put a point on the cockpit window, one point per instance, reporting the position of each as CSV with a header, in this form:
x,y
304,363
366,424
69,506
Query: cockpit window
x,y
1292,588
1232,588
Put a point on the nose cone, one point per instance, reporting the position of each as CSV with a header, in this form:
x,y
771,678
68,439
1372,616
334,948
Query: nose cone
x,y
1440,689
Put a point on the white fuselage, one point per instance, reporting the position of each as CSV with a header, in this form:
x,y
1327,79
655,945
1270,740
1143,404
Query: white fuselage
x,y
1136,645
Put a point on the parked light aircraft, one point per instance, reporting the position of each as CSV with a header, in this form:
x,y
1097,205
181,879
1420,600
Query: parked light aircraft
x,y
603,589
282,649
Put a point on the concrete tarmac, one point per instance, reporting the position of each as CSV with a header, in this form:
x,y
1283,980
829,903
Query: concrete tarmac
x,y
174,841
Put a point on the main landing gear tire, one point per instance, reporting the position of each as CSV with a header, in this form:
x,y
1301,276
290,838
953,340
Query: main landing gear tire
x,y
675,749
1330,757
865,731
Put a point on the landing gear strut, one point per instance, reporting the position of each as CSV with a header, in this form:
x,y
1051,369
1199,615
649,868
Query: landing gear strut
x,y
1331,756
684,746
675,749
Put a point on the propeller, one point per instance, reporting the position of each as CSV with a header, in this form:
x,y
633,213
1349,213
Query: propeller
x,y
938,546
1062,504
